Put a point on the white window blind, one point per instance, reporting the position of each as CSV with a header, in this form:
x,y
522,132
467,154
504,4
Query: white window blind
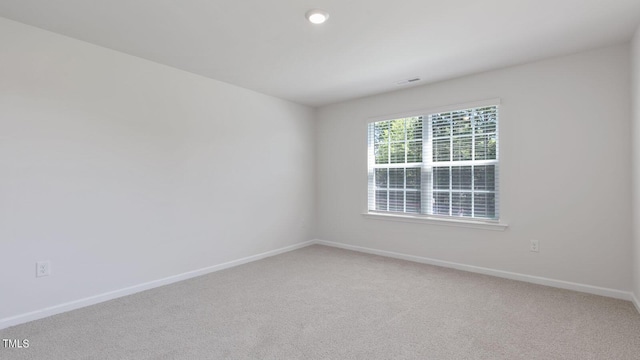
x,y
436,164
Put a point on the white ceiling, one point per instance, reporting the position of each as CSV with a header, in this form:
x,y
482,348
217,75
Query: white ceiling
x,y
365,47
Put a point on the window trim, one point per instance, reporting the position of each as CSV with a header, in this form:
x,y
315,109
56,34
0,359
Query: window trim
x,y
435,220
476,223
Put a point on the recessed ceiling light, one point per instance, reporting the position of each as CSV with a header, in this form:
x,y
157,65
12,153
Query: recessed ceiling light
x,y
317,16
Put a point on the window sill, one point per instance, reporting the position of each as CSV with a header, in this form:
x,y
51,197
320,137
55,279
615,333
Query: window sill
x,y
483,225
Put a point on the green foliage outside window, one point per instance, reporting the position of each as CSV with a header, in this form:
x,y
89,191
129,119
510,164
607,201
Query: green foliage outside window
x,y
398,141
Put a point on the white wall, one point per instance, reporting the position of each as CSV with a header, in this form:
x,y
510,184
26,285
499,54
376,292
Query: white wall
x,y
565,171
122,171
635,93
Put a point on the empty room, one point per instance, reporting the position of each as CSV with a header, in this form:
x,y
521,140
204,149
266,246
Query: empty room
x,y
297,179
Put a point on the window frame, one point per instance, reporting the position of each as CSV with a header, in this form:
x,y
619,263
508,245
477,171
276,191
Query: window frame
x,y
404,166
426,186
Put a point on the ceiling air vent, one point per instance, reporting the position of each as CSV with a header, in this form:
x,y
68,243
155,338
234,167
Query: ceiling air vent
x,y
408,81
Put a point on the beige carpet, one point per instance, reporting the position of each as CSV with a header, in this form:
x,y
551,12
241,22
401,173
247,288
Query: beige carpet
x,y
326,303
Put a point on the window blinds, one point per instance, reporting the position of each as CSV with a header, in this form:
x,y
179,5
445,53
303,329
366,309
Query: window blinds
x,y
439,164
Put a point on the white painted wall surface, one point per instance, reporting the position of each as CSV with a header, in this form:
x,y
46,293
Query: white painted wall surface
x,y
122,171
564,174
635,93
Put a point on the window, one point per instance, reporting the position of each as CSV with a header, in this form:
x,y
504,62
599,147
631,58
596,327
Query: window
x,y
437,164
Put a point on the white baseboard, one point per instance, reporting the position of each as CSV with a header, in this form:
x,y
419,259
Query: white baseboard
x,y
634,300
617,294
80,303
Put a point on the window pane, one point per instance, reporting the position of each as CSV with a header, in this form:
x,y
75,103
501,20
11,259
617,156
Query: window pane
x,y
461,204
381,178
413,178
396,178
441,150
485,205
396,201
440,125
484,177
381,200
381,132
397,130
414,128
461,122
485,147
485,120
414,202
397,153
441,178
441,203
462,148
482,147
461,178
382,153
414,151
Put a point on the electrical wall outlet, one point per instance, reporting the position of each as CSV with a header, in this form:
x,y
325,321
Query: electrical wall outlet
x,y
43,268
534,246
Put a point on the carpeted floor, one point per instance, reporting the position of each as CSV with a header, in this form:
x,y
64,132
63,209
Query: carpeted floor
x,y
325,303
